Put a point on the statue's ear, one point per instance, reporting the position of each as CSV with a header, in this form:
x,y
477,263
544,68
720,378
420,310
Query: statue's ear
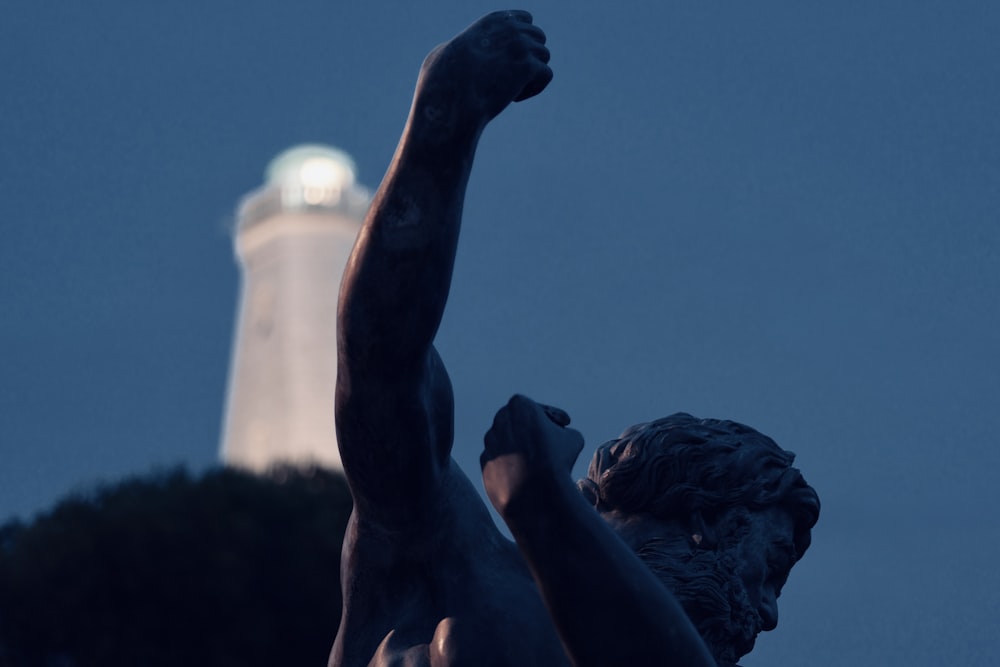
x,y
590,491
700,531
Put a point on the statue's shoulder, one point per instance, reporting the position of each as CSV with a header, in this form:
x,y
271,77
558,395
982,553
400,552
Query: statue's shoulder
x,y
453,517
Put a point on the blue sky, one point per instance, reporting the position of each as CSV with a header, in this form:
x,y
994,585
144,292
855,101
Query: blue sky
x,y
782,213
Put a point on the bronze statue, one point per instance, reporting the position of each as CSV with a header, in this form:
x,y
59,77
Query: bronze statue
x,y
672,552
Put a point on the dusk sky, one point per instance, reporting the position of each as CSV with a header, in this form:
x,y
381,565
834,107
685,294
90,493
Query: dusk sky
x,y
783,213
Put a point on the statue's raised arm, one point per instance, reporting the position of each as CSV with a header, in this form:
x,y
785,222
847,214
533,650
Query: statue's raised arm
x,y
394,404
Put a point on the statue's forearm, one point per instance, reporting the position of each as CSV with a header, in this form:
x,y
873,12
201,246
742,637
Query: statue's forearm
x,y
608,607
397,281
398,278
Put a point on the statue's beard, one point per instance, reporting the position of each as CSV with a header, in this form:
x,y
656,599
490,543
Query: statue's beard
x,y
707,584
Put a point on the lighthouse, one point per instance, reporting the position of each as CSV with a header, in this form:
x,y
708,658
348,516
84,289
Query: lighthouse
x,y
292,240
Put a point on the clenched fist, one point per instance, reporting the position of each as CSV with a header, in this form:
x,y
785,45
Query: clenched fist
x,y
499,59
527,446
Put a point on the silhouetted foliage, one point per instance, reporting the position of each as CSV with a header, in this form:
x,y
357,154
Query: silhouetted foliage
x,y
226,569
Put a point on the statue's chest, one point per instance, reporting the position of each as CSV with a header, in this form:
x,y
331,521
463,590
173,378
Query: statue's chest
x,y
463,601
496,622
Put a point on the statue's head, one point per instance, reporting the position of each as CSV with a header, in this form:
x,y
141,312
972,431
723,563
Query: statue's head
x,y
716,510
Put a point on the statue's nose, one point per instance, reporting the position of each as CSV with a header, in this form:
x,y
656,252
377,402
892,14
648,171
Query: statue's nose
x,y
768,609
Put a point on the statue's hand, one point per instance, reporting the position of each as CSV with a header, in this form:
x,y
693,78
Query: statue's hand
x,y
528,447
499,59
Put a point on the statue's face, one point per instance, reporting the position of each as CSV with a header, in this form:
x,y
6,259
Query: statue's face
x,y
767,554
760,562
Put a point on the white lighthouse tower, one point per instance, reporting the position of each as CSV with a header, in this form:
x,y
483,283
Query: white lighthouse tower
x,y
292,239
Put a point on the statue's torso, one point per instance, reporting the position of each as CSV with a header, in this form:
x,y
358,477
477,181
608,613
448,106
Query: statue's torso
x,y
454,593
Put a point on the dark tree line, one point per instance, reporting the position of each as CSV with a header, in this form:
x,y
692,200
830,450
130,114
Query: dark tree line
x,y
223,569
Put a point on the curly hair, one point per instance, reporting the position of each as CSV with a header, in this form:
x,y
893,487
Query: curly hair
x,y
681,467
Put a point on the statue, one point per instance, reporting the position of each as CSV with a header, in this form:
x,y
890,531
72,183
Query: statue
x,y
672,552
